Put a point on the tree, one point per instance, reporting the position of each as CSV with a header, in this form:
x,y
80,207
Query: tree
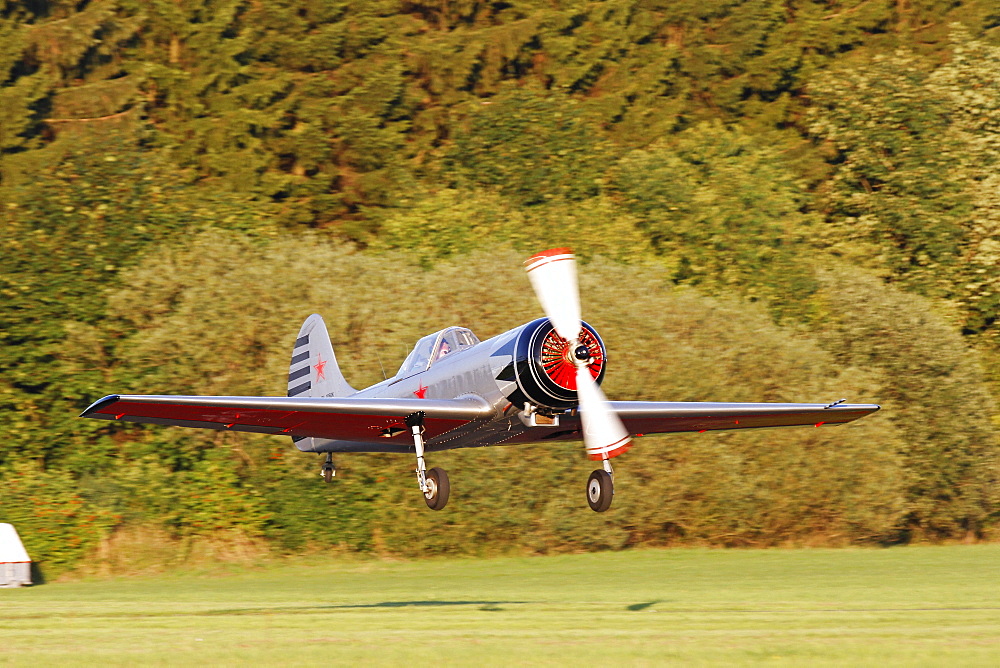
x,y
61,63
970,82
65,237
722,212
913,192
455,221
932,389
531,146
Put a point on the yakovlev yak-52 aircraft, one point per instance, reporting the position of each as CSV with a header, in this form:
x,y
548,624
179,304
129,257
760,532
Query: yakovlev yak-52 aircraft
x,y
537,382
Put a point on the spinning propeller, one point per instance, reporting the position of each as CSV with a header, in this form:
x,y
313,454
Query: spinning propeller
x,y
553,276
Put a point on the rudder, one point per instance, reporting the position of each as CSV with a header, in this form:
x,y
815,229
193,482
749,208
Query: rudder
x,y
314,371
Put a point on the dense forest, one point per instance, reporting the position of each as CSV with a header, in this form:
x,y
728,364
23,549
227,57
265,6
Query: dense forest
x,y
774,201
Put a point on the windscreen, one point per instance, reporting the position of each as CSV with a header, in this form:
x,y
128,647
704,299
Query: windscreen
x,y
420,356
434,347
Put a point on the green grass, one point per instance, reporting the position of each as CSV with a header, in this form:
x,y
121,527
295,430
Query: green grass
x,y
902,606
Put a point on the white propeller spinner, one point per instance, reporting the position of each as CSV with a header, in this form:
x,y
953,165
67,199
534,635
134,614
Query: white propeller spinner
x,y
553,276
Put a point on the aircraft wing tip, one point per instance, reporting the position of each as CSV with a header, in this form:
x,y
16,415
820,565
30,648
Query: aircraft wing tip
x,y
99,404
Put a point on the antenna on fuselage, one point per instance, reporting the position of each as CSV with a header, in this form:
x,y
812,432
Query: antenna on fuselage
x,y
379,357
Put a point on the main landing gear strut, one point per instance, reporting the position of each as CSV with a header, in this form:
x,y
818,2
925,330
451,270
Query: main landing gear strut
x,y
601,488
434,483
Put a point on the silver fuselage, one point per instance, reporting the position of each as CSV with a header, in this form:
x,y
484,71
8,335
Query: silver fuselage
x,y
503,371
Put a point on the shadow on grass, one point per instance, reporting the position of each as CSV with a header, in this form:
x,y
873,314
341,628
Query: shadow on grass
x,y
635,607
423,604
487,606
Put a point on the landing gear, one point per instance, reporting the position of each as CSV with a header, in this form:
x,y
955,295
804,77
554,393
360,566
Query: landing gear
x,y
329,470
601,488
434,483
438,488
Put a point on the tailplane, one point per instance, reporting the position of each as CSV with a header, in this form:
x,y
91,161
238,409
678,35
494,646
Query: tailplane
x,y
314,371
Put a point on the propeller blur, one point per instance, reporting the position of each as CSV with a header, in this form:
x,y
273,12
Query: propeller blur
x,y
537,382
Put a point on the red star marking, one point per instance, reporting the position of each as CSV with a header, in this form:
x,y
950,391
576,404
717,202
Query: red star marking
x,y
319,366
421,392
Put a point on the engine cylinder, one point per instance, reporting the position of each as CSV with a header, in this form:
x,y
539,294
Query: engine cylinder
x,y
544,364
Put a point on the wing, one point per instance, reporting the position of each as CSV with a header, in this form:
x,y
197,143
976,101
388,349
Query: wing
x,y
650,417
362,420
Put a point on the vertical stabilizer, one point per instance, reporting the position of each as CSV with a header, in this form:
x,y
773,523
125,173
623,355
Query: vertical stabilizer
x,y
314,371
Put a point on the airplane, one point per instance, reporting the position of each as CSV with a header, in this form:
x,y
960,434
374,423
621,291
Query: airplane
x,y
535,383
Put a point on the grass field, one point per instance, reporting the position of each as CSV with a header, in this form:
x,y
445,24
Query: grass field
x,y
902,606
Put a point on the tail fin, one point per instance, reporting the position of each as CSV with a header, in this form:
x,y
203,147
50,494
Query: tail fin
x,y
314,371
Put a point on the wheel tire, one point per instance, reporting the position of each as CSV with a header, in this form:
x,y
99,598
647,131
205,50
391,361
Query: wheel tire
x,y
600,490
327,474
438,488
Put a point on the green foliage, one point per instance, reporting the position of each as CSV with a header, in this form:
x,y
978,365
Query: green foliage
x,y
889,189
448,140
45,48
971,84
198,495
932,390
752,488
304,513
914,191
332,108
723,212
303,104
56,524
922,467
65,236
451,221
532,147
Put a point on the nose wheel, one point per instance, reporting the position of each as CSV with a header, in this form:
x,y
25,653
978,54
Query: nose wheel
x,y
600,490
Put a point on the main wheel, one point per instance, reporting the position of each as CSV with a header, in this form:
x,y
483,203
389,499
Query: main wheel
x,y
438,488
327,474
600,490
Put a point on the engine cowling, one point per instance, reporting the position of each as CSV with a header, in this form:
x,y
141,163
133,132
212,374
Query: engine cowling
x,y
543,366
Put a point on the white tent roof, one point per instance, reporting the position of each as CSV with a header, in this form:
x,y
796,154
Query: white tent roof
x,y
11,549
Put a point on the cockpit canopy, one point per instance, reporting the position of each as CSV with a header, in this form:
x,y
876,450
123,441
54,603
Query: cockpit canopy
x,y
435,346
